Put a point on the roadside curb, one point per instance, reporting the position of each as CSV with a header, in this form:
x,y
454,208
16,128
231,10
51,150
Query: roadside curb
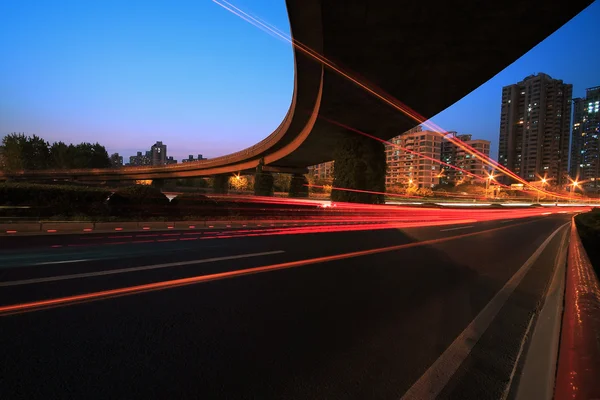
x,y
537,378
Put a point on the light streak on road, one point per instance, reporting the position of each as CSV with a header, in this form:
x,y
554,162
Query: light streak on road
x,y
112,293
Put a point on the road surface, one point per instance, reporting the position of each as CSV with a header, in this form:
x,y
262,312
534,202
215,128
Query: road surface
x,y
379,314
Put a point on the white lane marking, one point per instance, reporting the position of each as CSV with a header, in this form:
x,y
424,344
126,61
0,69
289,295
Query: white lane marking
x,y
437,376
134,269
454,229
60,262
508,220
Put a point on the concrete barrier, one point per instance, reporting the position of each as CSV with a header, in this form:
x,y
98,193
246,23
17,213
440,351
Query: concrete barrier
x,y
58,227
155,225
20,227
579,355
116,226
190,224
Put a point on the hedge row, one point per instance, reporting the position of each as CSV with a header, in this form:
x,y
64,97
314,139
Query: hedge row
x,y
47,200
134,202
588,227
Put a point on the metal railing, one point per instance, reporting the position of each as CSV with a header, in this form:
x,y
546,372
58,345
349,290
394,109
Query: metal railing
x,y
578,375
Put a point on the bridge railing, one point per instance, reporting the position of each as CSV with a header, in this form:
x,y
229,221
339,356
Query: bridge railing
x,y
578,375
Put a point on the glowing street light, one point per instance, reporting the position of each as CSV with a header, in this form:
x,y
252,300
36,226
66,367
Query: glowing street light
x,y
543,181
575,185
488,181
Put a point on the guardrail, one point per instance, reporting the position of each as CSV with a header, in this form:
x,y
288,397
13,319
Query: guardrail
x,y
578,375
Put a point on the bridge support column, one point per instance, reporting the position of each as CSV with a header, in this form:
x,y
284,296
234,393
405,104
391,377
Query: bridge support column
x,y
158,183
221,184
263,182
298,186
360,165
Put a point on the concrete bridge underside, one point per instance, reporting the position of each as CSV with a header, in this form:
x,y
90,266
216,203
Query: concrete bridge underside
x,y
427,55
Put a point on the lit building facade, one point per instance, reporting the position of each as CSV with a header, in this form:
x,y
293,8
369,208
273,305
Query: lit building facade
x,y
535,123
158,154
322,171
458,157
585,149
116,160
406,168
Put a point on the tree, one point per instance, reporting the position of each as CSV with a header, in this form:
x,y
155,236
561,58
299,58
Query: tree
x,y
88,155
60,155
425,192
281,182
360,164
23,152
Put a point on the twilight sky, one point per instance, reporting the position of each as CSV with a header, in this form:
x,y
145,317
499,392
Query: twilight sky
x,y
202,80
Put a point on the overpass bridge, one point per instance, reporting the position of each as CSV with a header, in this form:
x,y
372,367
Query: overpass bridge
x,y
426,56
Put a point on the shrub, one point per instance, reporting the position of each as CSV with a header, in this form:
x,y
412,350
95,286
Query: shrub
x,y
49,200
588,227
195,205
138,201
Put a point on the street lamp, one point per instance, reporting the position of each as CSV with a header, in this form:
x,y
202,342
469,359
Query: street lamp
x,y
543,181
488,181
575,185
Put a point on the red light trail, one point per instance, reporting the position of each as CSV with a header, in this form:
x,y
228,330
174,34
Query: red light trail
x,y
113,293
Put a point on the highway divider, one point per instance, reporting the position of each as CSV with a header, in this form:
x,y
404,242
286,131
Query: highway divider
x,y
67,227
578,375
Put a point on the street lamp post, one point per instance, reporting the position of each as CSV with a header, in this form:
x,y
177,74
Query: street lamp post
x,y
538,192
575,185
488,182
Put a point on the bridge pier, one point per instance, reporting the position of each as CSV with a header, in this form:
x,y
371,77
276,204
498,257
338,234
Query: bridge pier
x,y
360,165
298,186
221,184
263,181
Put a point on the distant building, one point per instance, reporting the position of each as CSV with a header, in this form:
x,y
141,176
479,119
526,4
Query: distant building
x,y
170,161
406,168
191,158
454,155
140,159
322,171
585,151
158,153
116,161
534,128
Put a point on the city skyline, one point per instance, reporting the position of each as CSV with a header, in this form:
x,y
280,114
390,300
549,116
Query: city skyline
x,y
97,86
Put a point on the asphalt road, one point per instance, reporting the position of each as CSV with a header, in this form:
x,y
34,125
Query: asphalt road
x,y
369,314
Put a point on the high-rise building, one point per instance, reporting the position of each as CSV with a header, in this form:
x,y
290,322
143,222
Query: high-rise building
x,y
171,160
322,171
116,160
405,167
585,149
158,154
458,157
534,128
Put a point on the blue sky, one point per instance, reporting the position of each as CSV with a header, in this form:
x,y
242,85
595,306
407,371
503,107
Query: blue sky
x,y
197,77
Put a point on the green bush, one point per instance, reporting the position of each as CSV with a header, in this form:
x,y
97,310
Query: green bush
x,y
588,227
195,205
49,200
139,201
